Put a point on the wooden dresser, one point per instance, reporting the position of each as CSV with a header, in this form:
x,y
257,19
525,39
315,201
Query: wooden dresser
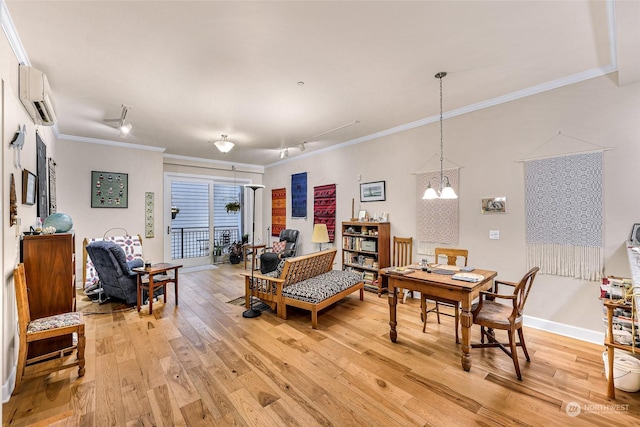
x,y
50,267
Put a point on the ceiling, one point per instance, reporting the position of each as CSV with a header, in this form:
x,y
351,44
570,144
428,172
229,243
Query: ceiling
x,y
273,74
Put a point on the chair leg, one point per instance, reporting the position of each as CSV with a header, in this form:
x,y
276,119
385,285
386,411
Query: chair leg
x,y
22,362
514,353
438,312
523,345
82,341
457,321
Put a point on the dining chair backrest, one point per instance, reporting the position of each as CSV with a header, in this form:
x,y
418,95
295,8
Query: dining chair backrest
x,y
22,299
523,288
452,255
402,251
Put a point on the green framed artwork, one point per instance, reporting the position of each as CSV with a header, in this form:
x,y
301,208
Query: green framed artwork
x,y
109,189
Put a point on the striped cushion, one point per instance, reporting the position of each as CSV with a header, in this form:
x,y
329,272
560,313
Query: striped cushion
x,y
319,288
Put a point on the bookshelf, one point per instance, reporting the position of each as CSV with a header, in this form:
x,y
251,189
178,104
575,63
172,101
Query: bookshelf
x,y
366,249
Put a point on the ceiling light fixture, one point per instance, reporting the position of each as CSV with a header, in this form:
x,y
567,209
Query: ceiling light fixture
x,y
302,147
224,145
284,152
445,191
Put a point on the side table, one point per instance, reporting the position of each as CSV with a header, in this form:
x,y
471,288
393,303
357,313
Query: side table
x,y
253,250
160,269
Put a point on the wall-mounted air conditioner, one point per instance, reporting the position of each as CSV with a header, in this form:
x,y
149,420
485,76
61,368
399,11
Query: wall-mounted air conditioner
x,y
35,95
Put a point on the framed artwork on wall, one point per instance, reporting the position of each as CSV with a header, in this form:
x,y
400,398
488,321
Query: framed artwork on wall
x,y
109,189
494,205
372,191
28,188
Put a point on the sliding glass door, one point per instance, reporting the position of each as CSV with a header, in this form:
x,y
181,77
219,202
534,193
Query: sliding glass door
x,y
199,230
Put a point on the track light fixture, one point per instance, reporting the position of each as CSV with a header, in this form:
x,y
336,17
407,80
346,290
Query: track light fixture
x,y
224,145
284,152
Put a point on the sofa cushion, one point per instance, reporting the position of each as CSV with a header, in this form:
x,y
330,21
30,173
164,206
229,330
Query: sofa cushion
x,y
321,287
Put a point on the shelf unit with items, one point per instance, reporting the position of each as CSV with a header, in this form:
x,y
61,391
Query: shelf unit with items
x,y
365,250
621,298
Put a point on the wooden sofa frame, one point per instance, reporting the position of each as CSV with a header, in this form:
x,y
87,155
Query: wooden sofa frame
x,y
296,269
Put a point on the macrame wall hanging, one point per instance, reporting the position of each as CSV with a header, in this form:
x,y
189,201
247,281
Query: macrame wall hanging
x,y
564,215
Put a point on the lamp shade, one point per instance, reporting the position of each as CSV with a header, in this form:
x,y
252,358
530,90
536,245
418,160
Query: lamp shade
x,y
430,193
448,193
320,234
224,145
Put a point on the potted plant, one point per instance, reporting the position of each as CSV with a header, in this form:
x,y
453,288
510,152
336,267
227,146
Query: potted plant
x,y
245,239
232,207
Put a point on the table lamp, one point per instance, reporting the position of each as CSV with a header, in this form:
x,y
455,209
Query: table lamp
x,y
320,234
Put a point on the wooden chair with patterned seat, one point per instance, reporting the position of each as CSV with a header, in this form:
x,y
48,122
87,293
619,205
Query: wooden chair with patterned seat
x,y
43,328
491,315
402,256
452,259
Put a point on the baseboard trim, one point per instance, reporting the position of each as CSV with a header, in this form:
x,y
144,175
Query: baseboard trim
x,y
564,330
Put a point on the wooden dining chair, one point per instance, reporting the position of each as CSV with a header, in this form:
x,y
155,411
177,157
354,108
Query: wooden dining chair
x,y
402,255
43,328
491,315
452,259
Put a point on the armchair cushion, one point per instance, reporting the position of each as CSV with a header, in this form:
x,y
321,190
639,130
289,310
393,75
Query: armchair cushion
x,y
278,247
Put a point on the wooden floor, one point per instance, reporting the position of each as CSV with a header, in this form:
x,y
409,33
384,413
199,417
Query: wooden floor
x,y
202,363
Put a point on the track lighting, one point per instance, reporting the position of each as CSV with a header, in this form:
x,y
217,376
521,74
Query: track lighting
x,y
284,152
302,147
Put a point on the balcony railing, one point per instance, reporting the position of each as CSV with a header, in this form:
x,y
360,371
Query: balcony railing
x,y
193,242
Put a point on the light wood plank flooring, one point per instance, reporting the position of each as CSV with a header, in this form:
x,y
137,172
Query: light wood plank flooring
x,y
202,363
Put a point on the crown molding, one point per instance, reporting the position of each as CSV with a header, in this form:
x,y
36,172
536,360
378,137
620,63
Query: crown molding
x,y
185,161
118,144
12,35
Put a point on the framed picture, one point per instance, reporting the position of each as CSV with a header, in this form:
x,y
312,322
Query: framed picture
x,y
372,191
494,205
362,215
28,188
635,234
109,189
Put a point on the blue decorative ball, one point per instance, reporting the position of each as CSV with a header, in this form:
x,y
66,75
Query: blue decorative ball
x,y
62,222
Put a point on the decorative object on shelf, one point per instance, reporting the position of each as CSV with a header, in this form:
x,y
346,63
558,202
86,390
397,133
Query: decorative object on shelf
x,y
494,205
299,195
109,189
320,234
13,203
372,191
324,208
148,214
251,312
278,211
28,188
445,191
224,145
60,221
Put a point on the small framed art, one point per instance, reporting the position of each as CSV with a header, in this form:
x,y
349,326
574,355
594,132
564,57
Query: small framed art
x,y
494,205
29,194
635,234
109,189
372,191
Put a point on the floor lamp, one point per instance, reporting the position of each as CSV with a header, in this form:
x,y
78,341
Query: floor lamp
x,y
251,312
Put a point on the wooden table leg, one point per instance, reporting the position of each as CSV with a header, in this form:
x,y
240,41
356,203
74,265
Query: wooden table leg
x,y
150,293
466,321
175,284
393,302
139,286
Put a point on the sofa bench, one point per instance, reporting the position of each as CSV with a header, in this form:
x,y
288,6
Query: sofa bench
x,y
307,282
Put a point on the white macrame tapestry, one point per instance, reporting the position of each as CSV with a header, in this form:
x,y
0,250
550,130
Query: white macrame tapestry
x,y
436,220
563,197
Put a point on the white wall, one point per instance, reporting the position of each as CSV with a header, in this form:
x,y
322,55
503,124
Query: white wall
x,y
487,144
13,116
76,160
